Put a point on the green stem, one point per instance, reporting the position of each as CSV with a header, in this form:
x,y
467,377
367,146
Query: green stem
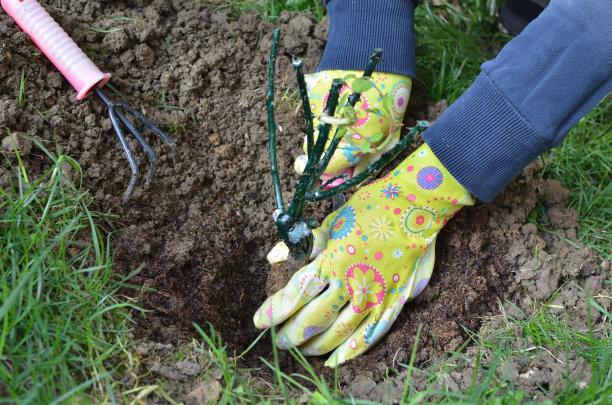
x,y
306,179
352,101
272,123
308,115
375,59
371,170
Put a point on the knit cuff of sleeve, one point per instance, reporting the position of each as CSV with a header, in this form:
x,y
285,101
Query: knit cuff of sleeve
x,y
356,28
483,141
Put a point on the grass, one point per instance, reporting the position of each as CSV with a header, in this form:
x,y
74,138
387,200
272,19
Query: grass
x,y
22,99
292,388
270,10
546,332
452,42
542,333
62,322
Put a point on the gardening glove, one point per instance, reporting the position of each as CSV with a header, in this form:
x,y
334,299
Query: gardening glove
x,y
374,132
378,255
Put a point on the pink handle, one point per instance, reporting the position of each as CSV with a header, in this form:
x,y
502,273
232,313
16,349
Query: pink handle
x,y
57,45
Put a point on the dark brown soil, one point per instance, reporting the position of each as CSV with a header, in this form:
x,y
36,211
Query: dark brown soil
x,y
204,226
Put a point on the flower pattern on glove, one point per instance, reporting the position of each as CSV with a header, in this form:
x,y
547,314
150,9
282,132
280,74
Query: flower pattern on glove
x,y
429,178
418,220
342,226
366,286
391,191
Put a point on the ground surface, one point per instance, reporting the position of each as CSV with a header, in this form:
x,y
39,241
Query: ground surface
x,y
204,226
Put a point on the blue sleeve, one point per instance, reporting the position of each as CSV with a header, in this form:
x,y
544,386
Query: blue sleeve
x,y
526,100
357,27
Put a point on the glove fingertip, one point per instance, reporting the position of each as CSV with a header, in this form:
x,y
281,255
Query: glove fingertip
x,y
261,319
300,164
321,235
333,361
278,254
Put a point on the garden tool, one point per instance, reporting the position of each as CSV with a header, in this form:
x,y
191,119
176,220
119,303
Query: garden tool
x,y
369,258
85,77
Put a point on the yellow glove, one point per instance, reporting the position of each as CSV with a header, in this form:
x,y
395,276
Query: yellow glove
x,y
374,255
351,157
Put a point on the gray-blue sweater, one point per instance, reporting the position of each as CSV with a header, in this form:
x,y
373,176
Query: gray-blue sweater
x,y
523,103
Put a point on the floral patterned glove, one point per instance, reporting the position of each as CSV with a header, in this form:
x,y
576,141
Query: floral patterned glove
x,y
377,255
380,130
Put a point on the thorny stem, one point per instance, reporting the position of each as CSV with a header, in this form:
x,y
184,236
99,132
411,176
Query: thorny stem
x,y
371,170
308,115
295,231
308,177
375,59
292,228
280,205
353,99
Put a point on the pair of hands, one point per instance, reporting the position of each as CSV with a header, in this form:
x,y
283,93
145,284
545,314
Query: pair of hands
x,y
376,252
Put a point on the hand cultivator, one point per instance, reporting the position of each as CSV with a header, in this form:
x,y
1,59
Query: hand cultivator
x,y
294,230
85,77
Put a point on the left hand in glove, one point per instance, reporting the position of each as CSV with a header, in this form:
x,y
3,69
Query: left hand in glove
x,y
379,130
374,255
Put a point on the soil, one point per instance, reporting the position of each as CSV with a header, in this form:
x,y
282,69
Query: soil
x,y
204,226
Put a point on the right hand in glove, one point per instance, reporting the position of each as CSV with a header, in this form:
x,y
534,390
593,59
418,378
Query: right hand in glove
x,y
381,131
375,254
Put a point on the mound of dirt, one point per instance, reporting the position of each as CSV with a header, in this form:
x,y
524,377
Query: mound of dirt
x,y
204,226
543,268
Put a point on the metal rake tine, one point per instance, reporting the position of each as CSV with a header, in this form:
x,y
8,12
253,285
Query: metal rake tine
x,y
118,118
149,125
128,152
145,145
